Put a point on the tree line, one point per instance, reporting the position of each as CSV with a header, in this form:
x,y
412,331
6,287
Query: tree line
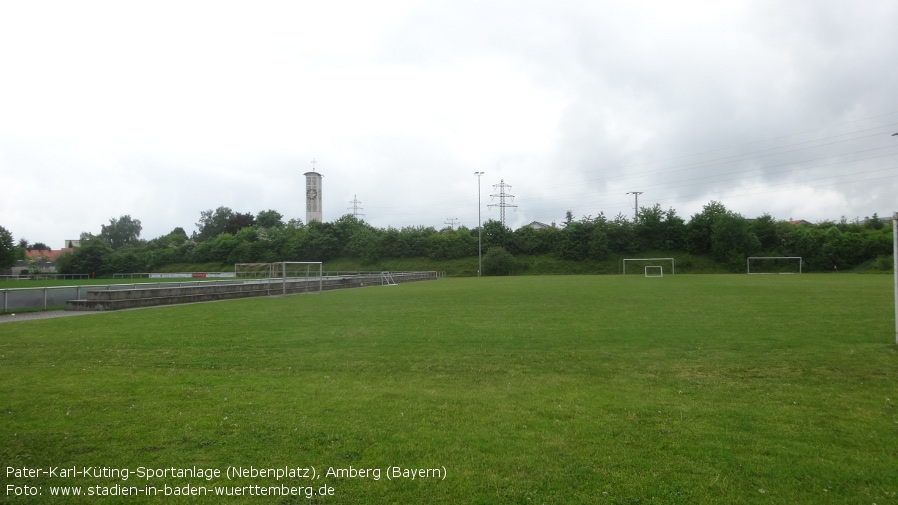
x,y
227,237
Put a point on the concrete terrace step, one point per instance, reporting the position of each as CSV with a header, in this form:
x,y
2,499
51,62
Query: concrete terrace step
x,y
117,299
133,298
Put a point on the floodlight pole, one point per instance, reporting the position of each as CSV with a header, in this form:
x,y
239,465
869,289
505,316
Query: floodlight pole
x,y
895,266
480,228
895,263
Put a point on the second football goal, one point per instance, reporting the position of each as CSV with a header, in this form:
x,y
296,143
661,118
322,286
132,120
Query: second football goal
x,y
773,264
648,262
284,277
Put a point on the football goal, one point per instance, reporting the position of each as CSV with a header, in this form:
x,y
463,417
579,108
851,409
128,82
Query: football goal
x,y
654,271
660,262
773,264
284,277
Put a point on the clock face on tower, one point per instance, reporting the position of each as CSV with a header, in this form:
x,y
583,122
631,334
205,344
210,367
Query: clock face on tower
x,y
312,194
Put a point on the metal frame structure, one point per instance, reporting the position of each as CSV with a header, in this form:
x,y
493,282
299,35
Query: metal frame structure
x,y
673,266
748,264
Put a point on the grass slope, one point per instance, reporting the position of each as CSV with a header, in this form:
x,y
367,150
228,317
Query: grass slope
x,y
573,389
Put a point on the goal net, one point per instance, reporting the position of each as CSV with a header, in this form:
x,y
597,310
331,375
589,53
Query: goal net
x,y
648,262
284,277
773,264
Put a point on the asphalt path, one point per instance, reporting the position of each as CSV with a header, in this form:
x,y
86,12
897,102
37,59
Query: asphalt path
x,y
43,314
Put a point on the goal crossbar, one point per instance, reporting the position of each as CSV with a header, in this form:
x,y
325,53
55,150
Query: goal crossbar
x,y
673,267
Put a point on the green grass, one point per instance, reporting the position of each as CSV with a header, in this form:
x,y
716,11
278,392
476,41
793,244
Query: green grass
x,y
535,389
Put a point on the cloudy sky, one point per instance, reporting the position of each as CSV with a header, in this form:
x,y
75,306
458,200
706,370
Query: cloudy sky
x,y
161,110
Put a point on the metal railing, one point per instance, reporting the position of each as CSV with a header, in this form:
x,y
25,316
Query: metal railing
x,y
41,277
56,296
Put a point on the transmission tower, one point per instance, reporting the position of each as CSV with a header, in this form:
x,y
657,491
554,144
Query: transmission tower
x,y
502,196
355,207
451,222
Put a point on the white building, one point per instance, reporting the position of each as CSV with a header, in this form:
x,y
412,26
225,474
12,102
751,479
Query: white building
x,y
313,197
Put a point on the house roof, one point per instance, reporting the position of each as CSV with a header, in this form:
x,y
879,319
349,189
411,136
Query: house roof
x,y
51,255
536,225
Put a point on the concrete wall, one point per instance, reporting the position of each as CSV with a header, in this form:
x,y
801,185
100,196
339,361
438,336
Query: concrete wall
x,y
97,300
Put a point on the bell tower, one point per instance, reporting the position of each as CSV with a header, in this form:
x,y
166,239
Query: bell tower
x,y
313,195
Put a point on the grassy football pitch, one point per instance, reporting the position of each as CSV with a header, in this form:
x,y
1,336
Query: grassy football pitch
x,y
555,389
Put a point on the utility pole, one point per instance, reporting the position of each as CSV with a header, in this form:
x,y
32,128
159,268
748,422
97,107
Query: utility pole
x,y
502,196
355,207
479,228
451,222
636,207
895,263
895,266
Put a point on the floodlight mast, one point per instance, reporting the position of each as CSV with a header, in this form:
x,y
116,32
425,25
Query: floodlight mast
x,y
895,262
479,228
895,265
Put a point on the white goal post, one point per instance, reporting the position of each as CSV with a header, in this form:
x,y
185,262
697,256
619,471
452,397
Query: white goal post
x,y
284,276
654,271
773,264
653,261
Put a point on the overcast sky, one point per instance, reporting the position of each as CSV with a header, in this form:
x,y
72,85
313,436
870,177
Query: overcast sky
x,y
161,110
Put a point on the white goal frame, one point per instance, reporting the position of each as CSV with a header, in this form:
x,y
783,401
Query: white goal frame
x,y
748,264
283,273
660,271
673,266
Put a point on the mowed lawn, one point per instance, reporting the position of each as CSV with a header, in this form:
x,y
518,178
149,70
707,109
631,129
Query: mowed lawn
x,y
554,389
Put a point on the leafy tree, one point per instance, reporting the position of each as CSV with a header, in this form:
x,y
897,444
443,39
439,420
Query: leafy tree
x,y
452,244
121,231
765,229
568,219
496,234
177,236
621,235
525,241
844,250
574,243
7,248
732,240
700,227
498,261
238,222
674,230
318,244
24,244
213,223
649,227
39,246
90,258
269,219
599,247
874,223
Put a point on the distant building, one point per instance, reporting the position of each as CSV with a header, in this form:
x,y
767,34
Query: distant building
x,y
37,261
798,221
536,225
313,197
72,243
